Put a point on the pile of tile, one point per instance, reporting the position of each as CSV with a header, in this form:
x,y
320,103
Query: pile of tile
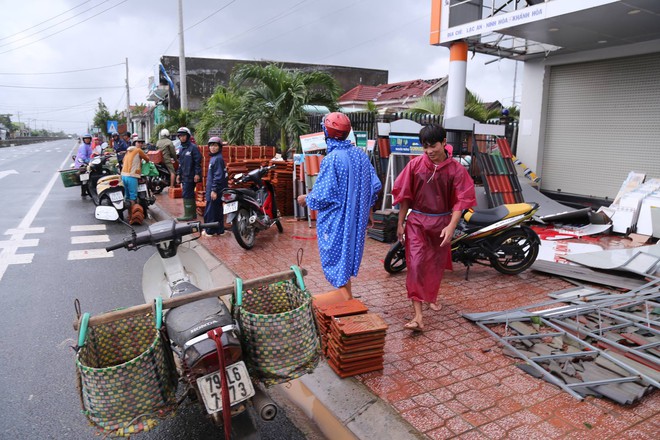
x,y
384,228
352,339
499,175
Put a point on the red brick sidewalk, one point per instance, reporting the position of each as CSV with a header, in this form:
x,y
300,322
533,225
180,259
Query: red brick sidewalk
x,y
452,380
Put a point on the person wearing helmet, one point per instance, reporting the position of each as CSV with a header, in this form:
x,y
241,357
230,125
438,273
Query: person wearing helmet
x,y
166,147
216,182
189,172
120,145
83,156
344,192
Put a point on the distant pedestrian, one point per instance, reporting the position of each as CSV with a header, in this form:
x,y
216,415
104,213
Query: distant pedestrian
x,y
216,182
166,147
344,192
121,146
189,172
83,156
436,190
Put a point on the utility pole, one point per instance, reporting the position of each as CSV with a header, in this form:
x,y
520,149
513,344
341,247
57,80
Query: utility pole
x,y
183,88
128,101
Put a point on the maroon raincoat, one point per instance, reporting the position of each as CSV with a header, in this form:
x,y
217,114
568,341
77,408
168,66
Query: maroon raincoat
x,y
434,191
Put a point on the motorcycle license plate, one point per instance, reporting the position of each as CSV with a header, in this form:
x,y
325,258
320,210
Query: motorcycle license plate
x,y
230,207
84,177
116,196
142,187
238,381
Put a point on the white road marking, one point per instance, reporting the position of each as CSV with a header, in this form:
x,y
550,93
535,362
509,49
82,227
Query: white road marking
x,y
8,254
86,254
15,231
15,259
85,228
18,243
80,239
7,173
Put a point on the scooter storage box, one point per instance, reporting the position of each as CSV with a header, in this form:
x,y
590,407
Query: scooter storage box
x,y
155,156
126,375
278,332
70,177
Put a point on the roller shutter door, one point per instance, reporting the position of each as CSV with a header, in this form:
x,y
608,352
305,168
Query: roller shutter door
x,y
603,121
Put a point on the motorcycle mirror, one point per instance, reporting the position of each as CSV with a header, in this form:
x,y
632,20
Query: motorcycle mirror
x,y
107,213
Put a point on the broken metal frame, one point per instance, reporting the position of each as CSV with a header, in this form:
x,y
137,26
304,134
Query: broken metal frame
x,y
607,305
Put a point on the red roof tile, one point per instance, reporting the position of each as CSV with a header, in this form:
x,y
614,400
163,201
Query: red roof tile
x,y
387,92
361,93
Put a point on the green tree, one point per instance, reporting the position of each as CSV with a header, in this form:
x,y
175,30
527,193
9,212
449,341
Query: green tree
x,y
175,119
102,116
219,108
276,97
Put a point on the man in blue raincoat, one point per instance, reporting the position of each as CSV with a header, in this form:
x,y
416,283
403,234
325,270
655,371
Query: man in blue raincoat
x,y
344,192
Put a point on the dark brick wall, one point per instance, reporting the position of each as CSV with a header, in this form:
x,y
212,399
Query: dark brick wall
x,y
205,74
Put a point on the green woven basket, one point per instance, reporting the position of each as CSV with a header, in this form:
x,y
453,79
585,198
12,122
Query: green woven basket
x,y
126,375
278,331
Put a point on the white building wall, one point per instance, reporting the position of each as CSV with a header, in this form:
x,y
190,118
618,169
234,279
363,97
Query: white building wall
x,y
531,132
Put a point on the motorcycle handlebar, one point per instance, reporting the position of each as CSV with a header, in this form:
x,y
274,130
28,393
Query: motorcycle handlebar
x,y
145,237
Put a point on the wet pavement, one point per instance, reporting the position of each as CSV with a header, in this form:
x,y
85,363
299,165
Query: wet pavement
x,y
451,381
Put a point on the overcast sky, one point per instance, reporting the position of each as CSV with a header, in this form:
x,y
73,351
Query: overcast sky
x,y
40,39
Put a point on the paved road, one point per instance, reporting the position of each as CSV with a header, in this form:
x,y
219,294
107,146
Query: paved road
x,y
45,229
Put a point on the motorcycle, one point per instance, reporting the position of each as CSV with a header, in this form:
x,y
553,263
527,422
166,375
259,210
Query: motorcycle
x,y
104,184
253,209
493,237
158,183
174,272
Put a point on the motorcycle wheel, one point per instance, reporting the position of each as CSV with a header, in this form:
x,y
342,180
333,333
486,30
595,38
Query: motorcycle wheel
x,y
515,252
243,232
105,201
155,185
280,229
395,260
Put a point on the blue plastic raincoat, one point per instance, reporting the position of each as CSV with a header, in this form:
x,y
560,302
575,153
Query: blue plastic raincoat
x,y
345,190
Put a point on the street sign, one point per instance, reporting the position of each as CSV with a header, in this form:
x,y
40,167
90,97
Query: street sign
x,y
361,139
112,127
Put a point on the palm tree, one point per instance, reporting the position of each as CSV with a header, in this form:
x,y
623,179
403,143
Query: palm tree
x,y
276,97
220,107
475,108
429,106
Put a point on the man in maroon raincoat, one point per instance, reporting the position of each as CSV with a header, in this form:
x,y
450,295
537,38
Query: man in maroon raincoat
x,y
436,189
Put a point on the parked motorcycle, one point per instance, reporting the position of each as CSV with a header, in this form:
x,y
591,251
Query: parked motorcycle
x,y
158,183
253,209
104,184
493,237
175,271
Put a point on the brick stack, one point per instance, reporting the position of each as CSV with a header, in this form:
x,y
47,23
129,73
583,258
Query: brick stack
x,y
499,175
200,188
352,339
281,177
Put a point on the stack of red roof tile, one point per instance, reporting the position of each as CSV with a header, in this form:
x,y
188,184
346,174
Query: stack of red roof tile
x,y
326,313
281,177
356,344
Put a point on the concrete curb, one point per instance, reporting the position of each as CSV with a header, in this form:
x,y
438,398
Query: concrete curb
x,y
348,409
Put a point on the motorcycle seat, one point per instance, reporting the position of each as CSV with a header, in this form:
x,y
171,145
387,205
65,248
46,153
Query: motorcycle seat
x,y
193,319
484,217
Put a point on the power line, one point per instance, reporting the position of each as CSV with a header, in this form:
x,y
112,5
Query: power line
x,y
212,14
66,71
45,21
61,88
52,26
283,14
55,33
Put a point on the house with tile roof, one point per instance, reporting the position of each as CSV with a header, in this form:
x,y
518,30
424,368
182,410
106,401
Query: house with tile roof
x,y
394,97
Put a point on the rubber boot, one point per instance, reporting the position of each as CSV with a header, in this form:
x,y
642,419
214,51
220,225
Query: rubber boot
x,y
189,210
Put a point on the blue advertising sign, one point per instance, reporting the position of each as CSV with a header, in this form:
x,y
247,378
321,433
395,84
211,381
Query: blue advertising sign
x,y
112,126
401,144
